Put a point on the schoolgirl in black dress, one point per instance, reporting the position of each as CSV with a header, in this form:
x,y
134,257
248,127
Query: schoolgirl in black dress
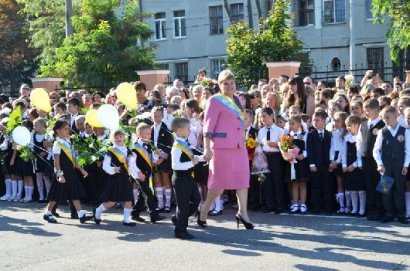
x,y
352,164
118,187
41,164
299,174
163,141
22,170
6,152
66,185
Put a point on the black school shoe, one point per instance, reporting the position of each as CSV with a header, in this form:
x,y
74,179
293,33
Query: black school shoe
x,y
174,220
50,219
85,218
96,220
184,235
156,217
386,219
129,224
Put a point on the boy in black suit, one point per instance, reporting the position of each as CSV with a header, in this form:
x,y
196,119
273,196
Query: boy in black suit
x,y
163,140
318,147
365,142
143,157
73,108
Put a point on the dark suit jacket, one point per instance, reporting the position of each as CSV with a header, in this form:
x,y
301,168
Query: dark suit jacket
x,y
318,149
165,139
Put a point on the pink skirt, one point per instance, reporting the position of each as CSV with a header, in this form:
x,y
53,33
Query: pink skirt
x,y
229,169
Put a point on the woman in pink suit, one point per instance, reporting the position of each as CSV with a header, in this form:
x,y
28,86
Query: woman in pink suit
x,y
224,144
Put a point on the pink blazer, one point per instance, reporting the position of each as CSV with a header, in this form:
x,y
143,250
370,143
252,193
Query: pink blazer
x,y
222,126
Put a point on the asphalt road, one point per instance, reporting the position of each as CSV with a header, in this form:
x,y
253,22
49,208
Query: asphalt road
x,y
280,242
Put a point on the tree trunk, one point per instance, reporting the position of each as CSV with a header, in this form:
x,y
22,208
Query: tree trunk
x,y
258,7
250,14
228,10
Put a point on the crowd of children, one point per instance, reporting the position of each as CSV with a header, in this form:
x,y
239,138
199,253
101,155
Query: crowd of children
x,y
348,141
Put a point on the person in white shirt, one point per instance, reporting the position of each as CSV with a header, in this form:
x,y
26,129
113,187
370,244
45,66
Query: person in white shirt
x,y
335,157
273,186
392,154
118,187
407,117
352,167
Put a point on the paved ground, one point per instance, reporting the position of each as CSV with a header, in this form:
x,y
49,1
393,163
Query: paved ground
x,y
284,242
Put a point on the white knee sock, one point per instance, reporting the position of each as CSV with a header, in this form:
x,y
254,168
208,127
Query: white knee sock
x,y
40,186
20,188
168,193
25,192
407,204
99,211
340,198
355,201
47,181
362,199
127,215
159,192
8,187
135,192
219,204
14,188
81,213
30,193
348,200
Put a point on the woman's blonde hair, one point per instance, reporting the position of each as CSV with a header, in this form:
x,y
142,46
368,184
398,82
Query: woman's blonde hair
x,y
225,75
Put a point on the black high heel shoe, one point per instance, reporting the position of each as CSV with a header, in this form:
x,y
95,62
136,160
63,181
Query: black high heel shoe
x,y
248,225
201,223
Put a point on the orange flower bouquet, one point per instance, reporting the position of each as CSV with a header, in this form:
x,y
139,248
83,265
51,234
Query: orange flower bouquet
x,y
287,148
250,147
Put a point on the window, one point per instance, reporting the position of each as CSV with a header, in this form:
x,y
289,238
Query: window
x,y
369,14
335,64
216,67
375,59
216,20
179,24
181,71
334,11
236,12
160,26
306,15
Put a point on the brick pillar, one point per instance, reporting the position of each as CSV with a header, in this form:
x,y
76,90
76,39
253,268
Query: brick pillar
x,y
152,77
49,83
277,69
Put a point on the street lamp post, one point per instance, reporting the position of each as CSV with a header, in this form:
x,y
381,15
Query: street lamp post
x,y
68,14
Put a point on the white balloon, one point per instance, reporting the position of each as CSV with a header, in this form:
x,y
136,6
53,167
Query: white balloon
x,y
21,135
108,116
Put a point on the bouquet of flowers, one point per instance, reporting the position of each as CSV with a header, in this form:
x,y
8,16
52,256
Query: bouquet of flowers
x,y
89,150
349,80
259,162
287,148
250,147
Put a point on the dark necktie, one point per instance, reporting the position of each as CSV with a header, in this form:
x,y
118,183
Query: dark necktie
x,y
268,135
321,135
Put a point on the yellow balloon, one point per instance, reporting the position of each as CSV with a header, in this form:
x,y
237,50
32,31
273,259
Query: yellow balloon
x,y
40,99
127,95
91,118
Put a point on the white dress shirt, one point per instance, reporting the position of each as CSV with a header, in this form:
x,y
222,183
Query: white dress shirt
x,y
5,144
107,166
66,143
336,145
196,129
157,128
275,133
72,119
377,150
352,139
176,157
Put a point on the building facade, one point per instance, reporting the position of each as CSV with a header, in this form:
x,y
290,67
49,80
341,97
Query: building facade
x,y
337,34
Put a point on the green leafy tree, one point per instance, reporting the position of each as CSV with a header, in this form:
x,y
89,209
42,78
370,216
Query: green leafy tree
x,y
248,51
398,11
105,48
17,63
